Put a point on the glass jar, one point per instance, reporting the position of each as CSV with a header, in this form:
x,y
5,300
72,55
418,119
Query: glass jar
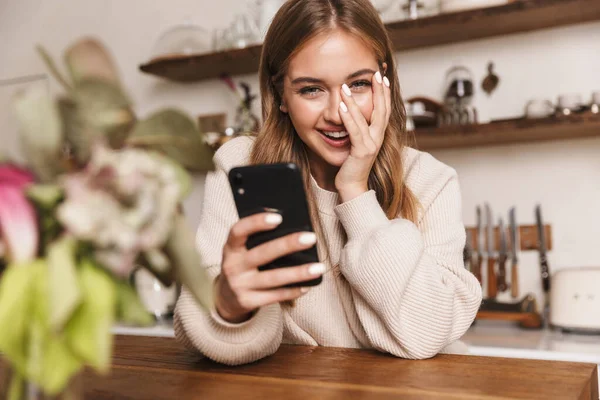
x,y
414,9
459,87
182,40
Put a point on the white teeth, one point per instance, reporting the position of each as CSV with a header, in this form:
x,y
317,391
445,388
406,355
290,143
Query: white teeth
x,y
336,135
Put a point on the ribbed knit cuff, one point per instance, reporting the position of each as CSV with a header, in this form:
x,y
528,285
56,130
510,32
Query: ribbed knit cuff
x,y
361,215
226,342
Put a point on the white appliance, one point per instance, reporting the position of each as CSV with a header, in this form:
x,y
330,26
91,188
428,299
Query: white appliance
x,y
575,299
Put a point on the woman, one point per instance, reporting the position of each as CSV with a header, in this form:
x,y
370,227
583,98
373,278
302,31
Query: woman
x,y
387,217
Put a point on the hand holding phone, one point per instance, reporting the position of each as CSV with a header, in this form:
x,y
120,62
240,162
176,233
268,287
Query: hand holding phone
x,y
269,257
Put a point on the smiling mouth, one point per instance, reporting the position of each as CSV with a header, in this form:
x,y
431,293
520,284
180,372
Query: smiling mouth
x,y
335,135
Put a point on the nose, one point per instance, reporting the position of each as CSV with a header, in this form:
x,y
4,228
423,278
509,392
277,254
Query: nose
x,y
331,113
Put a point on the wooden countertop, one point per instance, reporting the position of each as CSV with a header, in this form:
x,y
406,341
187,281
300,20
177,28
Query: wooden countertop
x,y
159,368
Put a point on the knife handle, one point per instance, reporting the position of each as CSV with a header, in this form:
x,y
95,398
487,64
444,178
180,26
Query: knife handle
x,y
545,270
491,276
501,279
514,281
476,268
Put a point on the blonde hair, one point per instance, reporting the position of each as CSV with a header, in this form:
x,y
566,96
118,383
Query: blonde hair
x,y
296,22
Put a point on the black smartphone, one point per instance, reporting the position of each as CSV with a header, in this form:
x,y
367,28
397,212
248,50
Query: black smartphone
x,y
275,188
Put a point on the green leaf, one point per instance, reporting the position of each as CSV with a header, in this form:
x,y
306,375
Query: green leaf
x,y
45,196
88,58
41,132
104,110
173,133
15,391
130,309
51,65
78,135
64,290
50,362
17,288
89,331
182,251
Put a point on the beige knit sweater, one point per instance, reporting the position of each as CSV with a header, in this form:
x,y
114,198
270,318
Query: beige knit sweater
x,y
401,288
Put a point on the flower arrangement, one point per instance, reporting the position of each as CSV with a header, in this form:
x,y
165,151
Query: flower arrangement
x,y
99,195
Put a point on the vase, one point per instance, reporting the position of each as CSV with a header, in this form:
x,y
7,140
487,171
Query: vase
x,y
12,388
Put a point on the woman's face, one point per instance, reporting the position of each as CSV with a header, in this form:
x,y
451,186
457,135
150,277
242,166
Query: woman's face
x,y
312,93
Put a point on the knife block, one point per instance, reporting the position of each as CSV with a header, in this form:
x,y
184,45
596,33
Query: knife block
x,y
524,312
527,320
527,236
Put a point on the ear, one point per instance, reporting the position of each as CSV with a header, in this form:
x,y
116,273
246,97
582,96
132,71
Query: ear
x,y
384,66
283,108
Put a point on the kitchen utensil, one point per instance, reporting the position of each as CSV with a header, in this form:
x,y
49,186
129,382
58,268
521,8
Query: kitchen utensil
x,y
569,103
468,251
539,108
479,253
524,312
514,274
158,299
575,300
423,111
414,9
595,105
502,257
544,267
491,273
458,93
490,82
459,85
243,31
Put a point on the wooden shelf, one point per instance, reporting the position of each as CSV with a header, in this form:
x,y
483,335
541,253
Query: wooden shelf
x,y
517,16
509,131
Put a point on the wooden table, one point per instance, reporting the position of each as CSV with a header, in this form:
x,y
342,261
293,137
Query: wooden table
x,y
158,368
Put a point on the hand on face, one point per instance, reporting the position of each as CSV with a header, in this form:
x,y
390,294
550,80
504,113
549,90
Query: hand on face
x,y
365,139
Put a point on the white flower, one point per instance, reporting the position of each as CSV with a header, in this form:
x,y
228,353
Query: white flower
x,y
123,204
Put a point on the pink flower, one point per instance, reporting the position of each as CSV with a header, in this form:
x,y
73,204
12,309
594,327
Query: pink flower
x,y
18,221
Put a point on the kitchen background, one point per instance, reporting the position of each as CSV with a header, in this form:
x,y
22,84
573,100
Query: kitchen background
x,y
562,176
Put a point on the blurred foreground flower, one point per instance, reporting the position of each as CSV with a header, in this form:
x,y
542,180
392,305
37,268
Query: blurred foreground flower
x,y
101,195
123,203
18,224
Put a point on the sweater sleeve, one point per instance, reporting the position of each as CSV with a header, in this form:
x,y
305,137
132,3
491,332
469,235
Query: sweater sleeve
x,y
409,286
203,330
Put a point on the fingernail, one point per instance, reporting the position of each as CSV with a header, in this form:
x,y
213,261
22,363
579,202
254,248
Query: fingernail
x,y
343,107
304,290
378,76
308,238
273,219
386,81
346,90
317,269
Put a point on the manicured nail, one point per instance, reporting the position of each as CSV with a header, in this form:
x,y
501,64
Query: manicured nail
x,y
308,238
378,76
346,90
273,219
343,107
386,81
304,290
317,269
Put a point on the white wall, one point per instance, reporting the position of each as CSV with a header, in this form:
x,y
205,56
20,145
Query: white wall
x,y
562,176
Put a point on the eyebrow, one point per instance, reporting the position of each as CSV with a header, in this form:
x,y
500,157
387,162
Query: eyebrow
x,y
307,79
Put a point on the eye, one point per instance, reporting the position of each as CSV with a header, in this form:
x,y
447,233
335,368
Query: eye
x,y
358,85
309,91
